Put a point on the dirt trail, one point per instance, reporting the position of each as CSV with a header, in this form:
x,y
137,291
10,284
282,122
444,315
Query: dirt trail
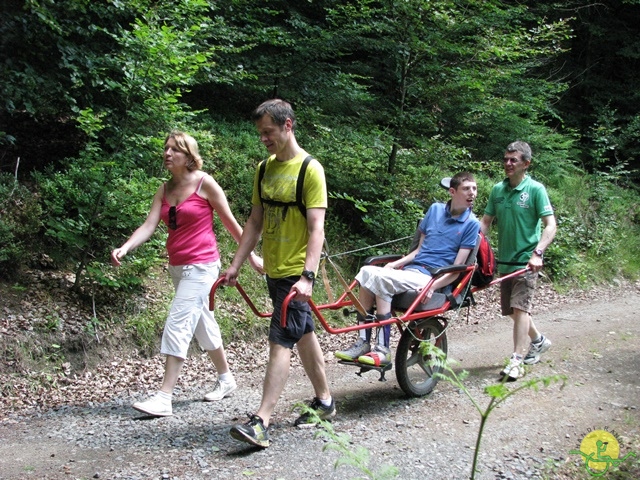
x,y
596,344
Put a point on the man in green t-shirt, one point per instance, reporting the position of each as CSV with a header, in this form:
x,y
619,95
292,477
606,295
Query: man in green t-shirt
x,y
292,239
521,206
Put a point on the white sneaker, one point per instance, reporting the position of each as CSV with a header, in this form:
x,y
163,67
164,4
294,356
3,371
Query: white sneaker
x,y
155,406
536,349
514,369
221,390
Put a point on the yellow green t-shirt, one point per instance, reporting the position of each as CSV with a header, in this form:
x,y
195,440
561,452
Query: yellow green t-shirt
x,y
284,233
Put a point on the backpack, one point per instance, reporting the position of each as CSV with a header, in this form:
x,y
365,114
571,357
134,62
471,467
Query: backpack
x,y
299,186
486,260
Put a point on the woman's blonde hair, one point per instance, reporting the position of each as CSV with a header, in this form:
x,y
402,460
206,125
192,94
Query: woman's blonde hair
x,y
187,145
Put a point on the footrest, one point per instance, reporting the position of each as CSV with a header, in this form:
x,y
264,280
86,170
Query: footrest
x,y
366,368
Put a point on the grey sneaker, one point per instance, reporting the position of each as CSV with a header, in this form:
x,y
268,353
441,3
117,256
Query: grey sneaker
x,y
221,390
380,356
155,406
253,432
514,369
322,412
536,349
356,350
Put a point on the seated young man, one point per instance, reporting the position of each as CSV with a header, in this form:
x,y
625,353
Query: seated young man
x,y
448,234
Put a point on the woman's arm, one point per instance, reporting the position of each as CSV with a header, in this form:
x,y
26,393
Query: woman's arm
x,y
249,240
216,197
218,200
143,232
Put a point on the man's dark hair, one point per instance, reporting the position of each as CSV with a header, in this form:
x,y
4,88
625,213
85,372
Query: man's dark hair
x,y
522,147
458,178
278,110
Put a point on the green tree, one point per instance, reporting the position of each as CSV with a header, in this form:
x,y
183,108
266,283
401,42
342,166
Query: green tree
x,y
391,96
450,69
131,99
602,103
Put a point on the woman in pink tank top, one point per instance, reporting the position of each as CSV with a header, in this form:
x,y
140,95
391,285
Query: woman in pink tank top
x,y
186,204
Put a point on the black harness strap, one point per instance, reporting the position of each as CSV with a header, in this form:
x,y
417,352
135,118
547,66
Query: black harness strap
x,y
299,187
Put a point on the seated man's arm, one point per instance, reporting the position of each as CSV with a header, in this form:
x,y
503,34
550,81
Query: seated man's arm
x,y
446,279
408,258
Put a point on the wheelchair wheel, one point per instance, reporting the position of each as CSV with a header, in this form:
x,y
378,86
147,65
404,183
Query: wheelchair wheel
x,y
413,371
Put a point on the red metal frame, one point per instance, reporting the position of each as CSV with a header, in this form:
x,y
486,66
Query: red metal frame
x,y
220,281
342,302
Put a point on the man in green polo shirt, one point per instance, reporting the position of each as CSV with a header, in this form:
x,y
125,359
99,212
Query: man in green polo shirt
x,y
526,227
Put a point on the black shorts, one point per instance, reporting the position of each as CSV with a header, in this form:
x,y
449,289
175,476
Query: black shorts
x,y
299,318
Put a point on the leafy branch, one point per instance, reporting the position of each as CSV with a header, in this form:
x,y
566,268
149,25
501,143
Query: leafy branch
x,y
358,456
498,393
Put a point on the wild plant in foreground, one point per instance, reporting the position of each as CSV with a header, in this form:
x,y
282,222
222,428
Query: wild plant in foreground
x,y
359,457
498,393
351,455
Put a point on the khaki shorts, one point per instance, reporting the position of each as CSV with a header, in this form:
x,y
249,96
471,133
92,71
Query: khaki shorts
x,y
517,293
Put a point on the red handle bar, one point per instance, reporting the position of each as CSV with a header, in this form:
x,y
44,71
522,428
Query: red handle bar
x,y
219,282
285,307
291,295
409,315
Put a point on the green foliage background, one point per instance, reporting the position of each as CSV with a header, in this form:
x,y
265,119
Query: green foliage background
x,y
390,97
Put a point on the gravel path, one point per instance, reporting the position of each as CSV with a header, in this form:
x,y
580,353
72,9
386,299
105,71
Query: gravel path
x,y
596,344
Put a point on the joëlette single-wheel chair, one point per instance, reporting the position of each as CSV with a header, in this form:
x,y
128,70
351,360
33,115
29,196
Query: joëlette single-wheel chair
x,y
417,322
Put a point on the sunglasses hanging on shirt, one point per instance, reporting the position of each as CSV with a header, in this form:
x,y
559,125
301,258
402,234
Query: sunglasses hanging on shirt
x,y
172,218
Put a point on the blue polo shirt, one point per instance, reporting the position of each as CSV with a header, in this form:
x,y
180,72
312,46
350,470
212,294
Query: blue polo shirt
x,y
444,236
